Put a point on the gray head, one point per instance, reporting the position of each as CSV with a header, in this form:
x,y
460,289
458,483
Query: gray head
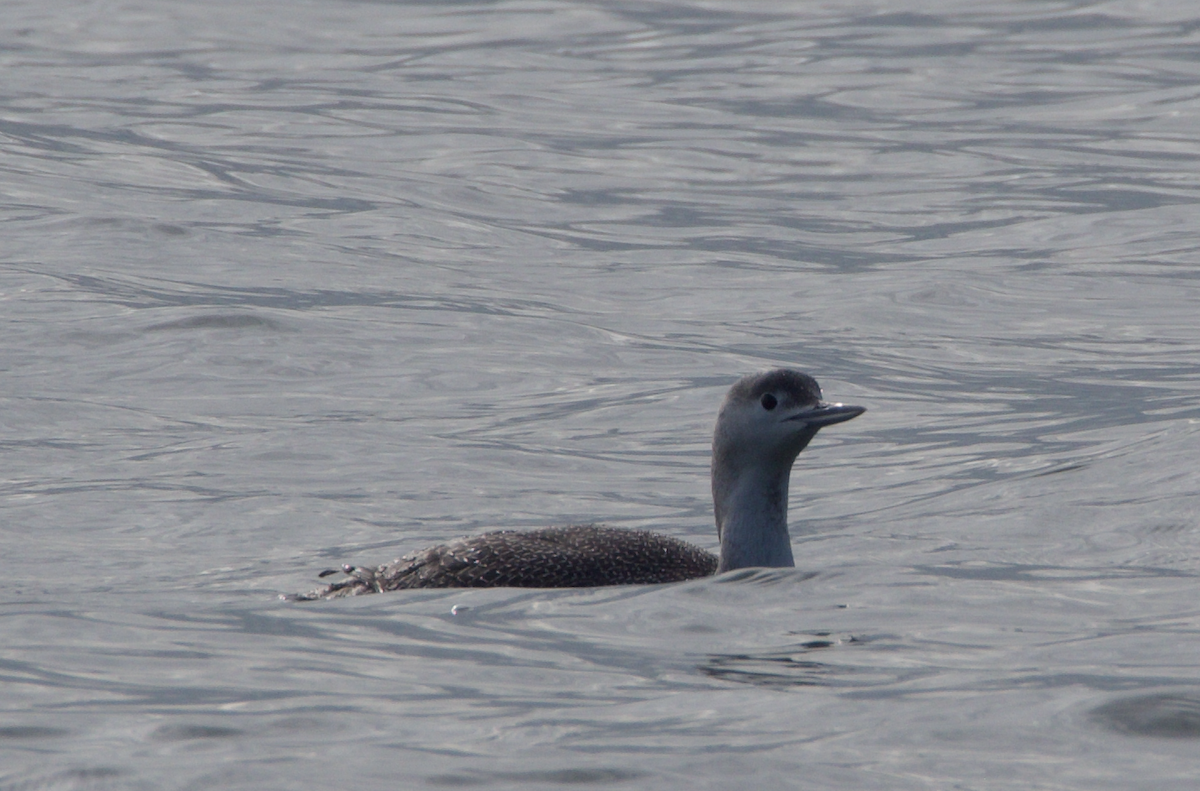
x,y
764,423
770,417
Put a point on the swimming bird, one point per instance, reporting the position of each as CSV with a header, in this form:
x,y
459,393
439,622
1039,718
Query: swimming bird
x,y
764,422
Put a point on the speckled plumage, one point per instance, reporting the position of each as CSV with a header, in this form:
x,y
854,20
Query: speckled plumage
x,y
574,556
764,422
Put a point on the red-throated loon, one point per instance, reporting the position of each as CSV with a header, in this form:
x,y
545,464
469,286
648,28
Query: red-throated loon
x,y
764,423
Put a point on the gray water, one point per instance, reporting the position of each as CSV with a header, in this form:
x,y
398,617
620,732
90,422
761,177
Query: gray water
x,y
285,285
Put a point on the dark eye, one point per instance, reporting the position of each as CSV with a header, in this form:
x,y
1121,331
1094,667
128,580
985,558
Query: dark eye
x,y
768,401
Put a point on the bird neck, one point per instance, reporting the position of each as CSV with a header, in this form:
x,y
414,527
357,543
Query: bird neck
x,y
751,508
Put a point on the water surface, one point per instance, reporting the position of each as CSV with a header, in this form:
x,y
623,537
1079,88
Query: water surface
x,y
285,286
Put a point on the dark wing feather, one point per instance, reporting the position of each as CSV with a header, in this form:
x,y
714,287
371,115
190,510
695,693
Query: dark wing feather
x,y
576,556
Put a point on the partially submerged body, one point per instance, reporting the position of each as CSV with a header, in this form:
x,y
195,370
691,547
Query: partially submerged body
x,y
764,423
574,556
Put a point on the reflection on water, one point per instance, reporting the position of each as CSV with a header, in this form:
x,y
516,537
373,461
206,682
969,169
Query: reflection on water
x,y
777,670
561,777
1173,716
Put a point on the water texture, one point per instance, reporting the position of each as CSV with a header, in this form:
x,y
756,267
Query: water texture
x,y
290,285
